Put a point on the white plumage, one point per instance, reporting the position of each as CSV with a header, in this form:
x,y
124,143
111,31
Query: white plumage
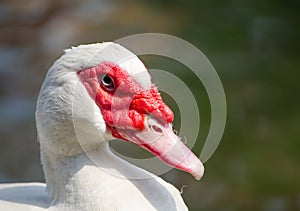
x,y
65,112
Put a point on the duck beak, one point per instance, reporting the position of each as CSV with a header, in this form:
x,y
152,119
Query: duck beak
x,y
161,141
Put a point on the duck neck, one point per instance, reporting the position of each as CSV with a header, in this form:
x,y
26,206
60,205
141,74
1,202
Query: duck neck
x,y
70,178
85,180
77,183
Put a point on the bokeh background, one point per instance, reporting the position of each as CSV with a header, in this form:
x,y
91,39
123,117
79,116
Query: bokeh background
x,y
254,46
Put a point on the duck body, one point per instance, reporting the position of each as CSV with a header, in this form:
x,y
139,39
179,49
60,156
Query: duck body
x,y
23,196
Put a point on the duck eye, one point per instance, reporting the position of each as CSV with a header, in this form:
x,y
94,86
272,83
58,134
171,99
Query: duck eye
x,y
108,83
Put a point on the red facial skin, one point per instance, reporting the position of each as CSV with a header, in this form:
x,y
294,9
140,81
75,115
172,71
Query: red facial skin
x,y
126,106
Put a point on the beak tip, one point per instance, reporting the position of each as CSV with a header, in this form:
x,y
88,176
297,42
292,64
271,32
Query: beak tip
x,y
198,171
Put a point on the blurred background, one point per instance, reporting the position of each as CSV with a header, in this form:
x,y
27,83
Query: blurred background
x,y
253,45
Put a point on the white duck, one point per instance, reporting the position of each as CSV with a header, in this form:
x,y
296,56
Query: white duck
x,y
91,95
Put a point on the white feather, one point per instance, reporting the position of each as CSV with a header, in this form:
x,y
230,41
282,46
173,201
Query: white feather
x,y
71,129
85,56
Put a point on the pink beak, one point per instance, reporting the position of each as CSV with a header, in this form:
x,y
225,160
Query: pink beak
x,y
162,142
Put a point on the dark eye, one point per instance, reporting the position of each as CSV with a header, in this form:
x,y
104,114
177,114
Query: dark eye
x,y
108,83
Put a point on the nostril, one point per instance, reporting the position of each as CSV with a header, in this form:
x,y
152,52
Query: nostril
x,y
156,129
